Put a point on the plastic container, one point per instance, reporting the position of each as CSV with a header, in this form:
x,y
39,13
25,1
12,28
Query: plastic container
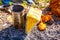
x,y
5,1
30,1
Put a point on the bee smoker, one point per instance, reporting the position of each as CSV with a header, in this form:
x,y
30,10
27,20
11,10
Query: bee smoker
x,y
18,16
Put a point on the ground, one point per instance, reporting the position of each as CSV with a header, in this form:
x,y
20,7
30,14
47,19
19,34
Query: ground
x,y
52,32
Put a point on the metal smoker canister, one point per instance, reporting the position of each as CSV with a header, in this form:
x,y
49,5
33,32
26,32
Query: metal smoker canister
x,y
18,17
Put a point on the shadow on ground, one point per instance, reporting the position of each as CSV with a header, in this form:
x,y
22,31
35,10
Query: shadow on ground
x,y
11,33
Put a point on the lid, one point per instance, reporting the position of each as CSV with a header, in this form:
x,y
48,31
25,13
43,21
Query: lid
x,y
5,1
17,8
